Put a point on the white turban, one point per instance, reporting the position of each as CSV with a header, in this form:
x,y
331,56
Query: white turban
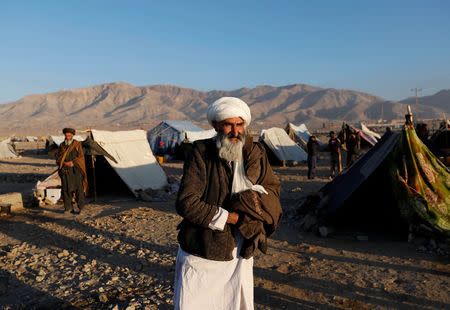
x,y
228,107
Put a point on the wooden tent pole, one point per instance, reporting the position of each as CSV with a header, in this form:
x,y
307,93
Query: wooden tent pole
x,y
95,179
93,170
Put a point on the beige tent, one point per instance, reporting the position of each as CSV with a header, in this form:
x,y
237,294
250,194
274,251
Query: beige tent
x,y
7,151
280,145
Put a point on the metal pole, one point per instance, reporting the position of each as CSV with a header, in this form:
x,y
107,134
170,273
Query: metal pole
x,y
417,102
417,109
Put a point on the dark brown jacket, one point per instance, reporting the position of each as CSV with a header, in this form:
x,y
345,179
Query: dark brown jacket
x,y
79,163
206,186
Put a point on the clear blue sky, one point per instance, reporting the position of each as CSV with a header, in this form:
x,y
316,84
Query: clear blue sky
x,y
380,47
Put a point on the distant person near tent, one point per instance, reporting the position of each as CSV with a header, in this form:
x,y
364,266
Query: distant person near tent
x,y
160,152
72,171
335,146
352,148
312,148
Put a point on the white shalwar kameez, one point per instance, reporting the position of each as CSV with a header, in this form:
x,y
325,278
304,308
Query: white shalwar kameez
x,y
203,284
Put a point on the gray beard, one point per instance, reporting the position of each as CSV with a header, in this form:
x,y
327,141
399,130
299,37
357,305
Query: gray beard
x,y
68,142
231,152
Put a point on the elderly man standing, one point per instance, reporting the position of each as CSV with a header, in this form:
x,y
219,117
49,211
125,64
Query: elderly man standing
x,y
229,201
72,171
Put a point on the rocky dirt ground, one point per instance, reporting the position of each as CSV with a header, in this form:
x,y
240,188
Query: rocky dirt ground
x,y
120,255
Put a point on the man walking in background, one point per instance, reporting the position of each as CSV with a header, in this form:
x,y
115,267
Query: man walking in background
x,y
334,145
72,171
352,148
312,148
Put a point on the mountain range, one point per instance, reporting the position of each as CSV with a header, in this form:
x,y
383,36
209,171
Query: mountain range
x,y
120,105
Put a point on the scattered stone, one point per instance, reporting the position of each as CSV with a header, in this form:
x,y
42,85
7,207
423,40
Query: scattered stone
x,y
64,253
421,248
325,231
432,244
362,238
103,298
296,189
308,222
14,199
418,240
40,278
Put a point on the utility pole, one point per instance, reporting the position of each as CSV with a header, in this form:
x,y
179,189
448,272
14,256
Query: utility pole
x,y
417,102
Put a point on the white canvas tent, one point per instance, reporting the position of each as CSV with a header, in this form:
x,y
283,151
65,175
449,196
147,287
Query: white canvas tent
x,y
172,134
136,165
7,151
198,135
49,189
60,139
52,180
278,141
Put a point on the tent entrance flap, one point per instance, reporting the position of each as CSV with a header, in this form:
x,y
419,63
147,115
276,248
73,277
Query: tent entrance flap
x,y
371,208
107,181
135,163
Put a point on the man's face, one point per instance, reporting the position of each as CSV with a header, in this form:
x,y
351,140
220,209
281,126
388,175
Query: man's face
x,y
333,135
68,135
231,127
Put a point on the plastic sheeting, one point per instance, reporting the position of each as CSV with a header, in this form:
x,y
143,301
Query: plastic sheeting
x,y
370,132
51,181
7,151
136,164
172,133
302,131
282,146
300,134
423,180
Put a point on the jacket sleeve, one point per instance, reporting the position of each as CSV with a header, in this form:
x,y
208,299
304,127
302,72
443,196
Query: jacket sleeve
x,y
193,184
59,154
79,160
271,211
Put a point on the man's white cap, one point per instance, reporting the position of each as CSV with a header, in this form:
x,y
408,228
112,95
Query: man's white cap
x,y
228,107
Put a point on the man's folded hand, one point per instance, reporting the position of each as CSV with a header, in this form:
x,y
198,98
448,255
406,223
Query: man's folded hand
x,y
233,218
